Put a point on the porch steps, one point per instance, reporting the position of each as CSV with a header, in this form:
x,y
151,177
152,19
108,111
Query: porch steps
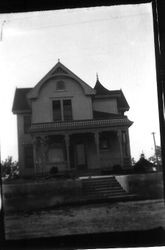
x,y
104,188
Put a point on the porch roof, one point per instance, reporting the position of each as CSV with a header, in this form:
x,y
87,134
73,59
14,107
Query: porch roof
x,y
81,124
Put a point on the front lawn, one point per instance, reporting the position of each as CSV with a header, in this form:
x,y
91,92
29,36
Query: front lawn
x,y
98,218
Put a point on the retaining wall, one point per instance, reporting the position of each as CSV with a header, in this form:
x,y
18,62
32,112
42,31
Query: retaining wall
x,y
48,193
40,195
149,185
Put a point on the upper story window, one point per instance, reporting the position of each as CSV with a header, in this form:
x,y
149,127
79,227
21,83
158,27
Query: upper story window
x,y
27,123
57,114
62,110
60,85
67,109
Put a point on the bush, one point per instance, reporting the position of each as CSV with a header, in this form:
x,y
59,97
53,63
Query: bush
x,y
53,171
9,168
117,168
139,168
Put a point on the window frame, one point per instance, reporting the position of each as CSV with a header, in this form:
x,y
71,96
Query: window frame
x,y
64,111
104,138
55,120
57,146
61,101
57,86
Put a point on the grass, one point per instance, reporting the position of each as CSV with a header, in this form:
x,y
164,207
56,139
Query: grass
x,y
96,218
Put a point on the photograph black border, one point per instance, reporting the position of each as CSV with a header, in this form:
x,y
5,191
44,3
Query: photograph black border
x,y
155,237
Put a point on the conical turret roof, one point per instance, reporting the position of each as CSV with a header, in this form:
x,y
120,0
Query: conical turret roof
x,y
100,89
102,92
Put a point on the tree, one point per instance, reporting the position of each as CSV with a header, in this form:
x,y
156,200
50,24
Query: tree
x,y
133,161
9,168
156,159
143,165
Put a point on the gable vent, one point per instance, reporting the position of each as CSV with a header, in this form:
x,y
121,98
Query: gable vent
x,y
59,70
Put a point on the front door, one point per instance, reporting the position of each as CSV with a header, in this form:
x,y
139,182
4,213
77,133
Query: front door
x,y
80,156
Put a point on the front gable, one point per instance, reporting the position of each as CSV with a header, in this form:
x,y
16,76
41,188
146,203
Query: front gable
x,y
60,85
59,70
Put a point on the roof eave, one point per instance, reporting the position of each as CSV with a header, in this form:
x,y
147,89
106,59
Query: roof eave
x,y
34,92
16,112
99,96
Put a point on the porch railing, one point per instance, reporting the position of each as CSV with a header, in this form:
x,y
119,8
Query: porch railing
x,y
66,125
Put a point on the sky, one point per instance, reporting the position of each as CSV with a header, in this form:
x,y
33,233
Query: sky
x,y
114,41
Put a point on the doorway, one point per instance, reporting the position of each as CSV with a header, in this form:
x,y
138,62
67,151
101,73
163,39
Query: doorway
x,y
78,152
80,156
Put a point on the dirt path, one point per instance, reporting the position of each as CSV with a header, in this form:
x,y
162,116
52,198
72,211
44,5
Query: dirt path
x,y
107,217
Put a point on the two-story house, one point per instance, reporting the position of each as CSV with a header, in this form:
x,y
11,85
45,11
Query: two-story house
x,y
64,123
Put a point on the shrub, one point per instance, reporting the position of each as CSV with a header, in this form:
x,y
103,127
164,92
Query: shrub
x,y
53,171
9,168
117,168
139,168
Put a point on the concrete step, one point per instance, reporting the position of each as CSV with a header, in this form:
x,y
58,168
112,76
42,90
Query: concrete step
x,y
103,190
106,190
99,180
101,184
106,195
110,197
94,196
103,187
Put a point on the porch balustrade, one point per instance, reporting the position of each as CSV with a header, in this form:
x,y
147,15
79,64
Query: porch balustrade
x,y
57,126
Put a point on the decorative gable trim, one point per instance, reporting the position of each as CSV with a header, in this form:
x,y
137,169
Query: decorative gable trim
x,y
60,70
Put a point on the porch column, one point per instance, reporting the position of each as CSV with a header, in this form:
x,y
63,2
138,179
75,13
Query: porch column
x,y
67,142
34,141
42,141
128,144
119,134
128,147
96,134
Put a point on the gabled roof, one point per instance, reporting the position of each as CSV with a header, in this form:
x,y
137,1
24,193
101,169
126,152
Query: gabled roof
x,y
60,69
102,92
20,103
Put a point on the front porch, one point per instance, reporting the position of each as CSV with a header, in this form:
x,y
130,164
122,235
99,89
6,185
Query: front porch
x,y
80,154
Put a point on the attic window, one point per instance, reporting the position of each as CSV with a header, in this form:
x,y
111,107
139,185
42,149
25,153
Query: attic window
x,y
60,85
